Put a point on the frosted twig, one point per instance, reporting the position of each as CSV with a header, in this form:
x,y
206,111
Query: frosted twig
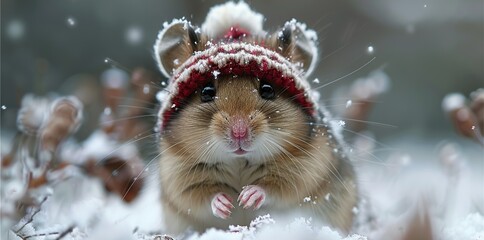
x,y
31,218
465,120
65,232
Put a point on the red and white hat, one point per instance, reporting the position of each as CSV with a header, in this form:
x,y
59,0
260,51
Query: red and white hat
x,y
229,57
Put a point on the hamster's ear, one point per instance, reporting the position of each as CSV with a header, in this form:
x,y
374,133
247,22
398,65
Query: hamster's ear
x,y
175,44
297,44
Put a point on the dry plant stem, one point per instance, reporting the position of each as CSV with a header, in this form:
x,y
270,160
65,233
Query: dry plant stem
x,y
465,122
359,110
31,218
40,235
65,232
119,176
35,182
477,107
61,123
163,237
141,80
420,227
112,99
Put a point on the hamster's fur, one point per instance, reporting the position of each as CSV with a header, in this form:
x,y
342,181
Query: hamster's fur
x,y
287,155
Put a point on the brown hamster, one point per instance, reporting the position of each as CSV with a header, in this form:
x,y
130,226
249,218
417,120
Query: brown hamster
x,y
240,146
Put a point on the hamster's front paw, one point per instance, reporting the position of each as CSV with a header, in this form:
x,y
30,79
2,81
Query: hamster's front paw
x,y
252,196
221,205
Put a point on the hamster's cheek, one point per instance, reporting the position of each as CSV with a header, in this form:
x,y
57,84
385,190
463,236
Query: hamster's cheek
x,y
219,124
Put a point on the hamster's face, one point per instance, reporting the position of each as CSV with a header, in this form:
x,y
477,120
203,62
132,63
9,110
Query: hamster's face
x,y
235,117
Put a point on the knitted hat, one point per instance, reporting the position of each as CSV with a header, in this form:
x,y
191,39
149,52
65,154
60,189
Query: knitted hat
x,y
230,56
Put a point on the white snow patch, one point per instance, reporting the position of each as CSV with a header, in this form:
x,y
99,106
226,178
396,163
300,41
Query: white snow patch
x,y
471,227
453,101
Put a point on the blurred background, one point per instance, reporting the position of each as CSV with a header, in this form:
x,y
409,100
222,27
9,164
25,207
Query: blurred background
x,y
428,48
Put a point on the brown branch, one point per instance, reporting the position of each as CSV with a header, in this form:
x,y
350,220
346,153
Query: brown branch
x,y
464,119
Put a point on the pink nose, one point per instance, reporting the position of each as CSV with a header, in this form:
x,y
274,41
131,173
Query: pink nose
x,y
240,128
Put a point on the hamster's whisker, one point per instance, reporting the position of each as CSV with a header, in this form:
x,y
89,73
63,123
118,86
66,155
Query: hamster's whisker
x,y
345,76
141,172
337,176
133,106
157,86
333,52
135,100
310,155
128,118
297,169
336,80
368,122
271,155
322,100
283,90
367,138
127,143
205,154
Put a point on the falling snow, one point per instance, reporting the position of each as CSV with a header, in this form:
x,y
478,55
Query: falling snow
x,y
146,89
4,107
370,49
134,35
355,210
341,123
71,22
349,103
15,29
316,81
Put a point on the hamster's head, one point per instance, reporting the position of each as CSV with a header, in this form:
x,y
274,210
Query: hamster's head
x,y
229,115
238,117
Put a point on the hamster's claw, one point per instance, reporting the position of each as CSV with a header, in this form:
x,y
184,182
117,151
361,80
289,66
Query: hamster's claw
x,y
252,196
221,205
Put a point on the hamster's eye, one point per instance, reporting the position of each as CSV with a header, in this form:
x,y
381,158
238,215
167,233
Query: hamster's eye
x,y
267,91
208,93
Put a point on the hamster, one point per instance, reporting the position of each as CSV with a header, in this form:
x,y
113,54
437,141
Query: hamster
x,y
238,145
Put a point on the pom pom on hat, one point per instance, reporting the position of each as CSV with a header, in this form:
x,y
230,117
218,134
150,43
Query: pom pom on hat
x,y
222,17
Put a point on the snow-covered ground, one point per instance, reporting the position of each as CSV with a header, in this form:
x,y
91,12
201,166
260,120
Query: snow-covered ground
x,y
439,185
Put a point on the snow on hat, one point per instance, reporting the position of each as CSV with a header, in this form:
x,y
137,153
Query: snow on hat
x,y
228,56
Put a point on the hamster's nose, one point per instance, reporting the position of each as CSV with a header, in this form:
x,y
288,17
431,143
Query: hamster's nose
x,y
240,128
